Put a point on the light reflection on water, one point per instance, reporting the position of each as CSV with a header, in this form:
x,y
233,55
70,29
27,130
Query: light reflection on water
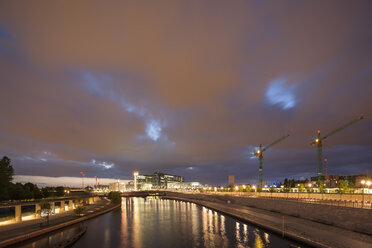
x,y
154,222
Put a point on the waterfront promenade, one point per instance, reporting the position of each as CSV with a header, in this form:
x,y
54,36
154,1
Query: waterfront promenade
x,y
16,232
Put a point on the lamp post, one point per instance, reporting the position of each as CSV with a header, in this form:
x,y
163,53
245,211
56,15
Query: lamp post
x,y
363,182
368,183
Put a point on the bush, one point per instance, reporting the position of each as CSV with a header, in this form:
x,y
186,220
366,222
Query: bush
x,y
79,210
115,197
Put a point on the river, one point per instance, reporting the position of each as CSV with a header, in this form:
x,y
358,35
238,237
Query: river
x,y
154,222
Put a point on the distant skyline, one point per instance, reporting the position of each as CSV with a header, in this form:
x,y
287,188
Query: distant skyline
x,y
185,88
43,181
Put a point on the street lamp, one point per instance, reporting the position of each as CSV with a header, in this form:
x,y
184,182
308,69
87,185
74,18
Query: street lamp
x,y
368,183
363,182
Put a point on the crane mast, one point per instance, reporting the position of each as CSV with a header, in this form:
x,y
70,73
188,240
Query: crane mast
x,y
259,153
319,143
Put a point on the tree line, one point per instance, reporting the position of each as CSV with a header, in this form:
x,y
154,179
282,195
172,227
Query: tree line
x,y
18,191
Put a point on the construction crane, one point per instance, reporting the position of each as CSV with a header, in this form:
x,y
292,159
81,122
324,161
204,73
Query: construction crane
x,y
319,142
82,178
259,153
96,181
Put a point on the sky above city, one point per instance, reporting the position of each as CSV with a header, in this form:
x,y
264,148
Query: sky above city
x,y
184,87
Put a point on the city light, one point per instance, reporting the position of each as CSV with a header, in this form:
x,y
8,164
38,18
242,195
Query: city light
x,y
236,188
310,185
368,183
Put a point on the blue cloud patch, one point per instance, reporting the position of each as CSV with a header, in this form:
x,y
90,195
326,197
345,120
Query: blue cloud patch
x,y
281,94
4,34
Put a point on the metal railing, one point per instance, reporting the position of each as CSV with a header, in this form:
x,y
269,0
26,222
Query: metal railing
x,y
342,200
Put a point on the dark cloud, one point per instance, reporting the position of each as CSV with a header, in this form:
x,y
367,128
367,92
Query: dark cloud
x,y
184,87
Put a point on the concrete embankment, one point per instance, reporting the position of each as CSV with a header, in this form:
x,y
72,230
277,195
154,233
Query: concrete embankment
x,y
46,230
353,219
267,215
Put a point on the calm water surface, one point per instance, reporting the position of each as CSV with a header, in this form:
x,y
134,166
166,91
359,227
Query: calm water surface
x,y
154,222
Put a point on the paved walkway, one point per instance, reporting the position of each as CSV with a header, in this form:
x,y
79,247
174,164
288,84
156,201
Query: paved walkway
x,y
17,229
312,233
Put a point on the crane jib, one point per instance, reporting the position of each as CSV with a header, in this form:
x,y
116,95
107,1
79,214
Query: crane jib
x,y
343,127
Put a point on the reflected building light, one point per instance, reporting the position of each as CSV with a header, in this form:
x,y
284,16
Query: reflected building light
x,y
205,226
258,243
267,238
237,233
107,236
245,233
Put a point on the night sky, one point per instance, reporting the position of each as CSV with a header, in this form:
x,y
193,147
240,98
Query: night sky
x,y
184,87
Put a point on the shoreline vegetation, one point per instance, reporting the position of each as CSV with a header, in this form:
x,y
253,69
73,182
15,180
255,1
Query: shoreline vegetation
x,y
10,192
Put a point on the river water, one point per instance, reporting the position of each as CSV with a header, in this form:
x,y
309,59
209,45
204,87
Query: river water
x,y
154,222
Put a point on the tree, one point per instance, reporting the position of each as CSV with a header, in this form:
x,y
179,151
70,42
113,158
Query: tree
x,y
286,182
344,186
79,206
60,191
6,171
45,192
115,197
16,191
46,209
321,188
6,177
37,193
259,188
301,188
79,210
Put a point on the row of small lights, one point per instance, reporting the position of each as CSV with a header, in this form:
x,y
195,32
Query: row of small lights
x,y
282,186
364,182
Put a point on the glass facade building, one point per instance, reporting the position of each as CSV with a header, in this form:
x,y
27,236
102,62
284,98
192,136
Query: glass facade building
x,y
156,180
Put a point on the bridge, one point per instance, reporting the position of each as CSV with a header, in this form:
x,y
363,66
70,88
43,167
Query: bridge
x,y
63,204
144,193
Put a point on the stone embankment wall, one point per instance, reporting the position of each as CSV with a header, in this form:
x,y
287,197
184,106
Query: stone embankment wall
x,y
292,195
354,219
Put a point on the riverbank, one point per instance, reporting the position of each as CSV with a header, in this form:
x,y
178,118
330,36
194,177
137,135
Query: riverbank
x,y
21,232
301,230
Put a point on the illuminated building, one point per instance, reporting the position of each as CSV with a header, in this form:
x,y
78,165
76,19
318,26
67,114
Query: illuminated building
x,y
155,181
